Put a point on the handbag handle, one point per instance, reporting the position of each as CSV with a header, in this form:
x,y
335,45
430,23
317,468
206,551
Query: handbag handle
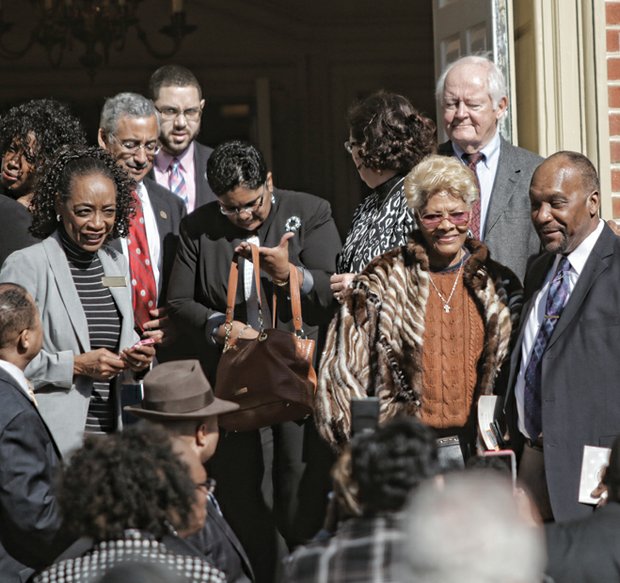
x,y
231,294
293,284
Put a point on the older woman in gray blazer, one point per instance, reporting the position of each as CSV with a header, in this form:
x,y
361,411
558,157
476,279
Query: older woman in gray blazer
x,y
80,286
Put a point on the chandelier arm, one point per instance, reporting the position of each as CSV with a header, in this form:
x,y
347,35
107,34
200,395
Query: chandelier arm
x,y
152,50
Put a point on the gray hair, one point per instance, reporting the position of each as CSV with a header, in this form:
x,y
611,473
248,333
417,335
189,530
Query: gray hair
x,y
470,529
496,84
125,105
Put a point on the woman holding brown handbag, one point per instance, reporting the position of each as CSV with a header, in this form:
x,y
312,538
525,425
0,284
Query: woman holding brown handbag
x,y
269,494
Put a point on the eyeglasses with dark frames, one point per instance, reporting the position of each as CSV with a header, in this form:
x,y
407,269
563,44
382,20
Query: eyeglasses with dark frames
x,y
433,220
170,113
251,207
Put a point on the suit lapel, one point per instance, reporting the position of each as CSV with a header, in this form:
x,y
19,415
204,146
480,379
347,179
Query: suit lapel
x,y
12,382
596,264
503,187
162,214
66,289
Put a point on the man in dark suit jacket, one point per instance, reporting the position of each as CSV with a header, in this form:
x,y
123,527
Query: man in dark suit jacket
x,y
128,129
29,515
178,98
165,388
473,97
587,550
563,388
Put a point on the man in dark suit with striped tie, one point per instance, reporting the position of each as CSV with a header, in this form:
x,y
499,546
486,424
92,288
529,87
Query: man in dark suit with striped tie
x,y
563,388
29,515
179,397
181,164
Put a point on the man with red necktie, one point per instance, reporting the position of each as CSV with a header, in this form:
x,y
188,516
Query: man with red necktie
x,y
129,130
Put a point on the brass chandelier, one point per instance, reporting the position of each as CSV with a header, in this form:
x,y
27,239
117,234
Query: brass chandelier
x,y
98,25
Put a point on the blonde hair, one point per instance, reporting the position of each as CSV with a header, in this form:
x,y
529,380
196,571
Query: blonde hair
x,y
440,174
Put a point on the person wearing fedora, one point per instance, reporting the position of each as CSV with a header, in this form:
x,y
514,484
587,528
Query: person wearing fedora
x,y
178,396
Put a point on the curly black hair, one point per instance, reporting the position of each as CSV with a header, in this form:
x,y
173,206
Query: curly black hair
x,y
235,163
68,163
130,479
50,122
388,463
390,132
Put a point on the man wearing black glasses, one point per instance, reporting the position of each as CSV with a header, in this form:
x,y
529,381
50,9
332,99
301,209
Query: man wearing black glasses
x,y
129,130
180,165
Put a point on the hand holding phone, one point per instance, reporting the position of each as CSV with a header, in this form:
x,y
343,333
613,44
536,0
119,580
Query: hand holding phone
x,y
140,355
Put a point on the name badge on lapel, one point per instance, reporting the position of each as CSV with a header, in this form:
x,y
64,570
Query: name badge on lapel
x,y
114,281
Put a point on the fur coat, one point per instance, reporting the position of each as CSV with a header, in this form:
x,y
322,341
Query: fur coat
x,y
374,343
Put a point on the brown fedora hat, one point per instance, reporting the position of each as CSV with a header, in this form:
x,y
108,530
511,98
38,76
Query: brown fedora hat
x,y
179,390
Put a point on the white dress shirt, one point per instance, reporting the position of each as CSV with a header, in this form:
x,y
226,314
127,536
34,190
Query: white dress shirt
x,y
486,170
536,314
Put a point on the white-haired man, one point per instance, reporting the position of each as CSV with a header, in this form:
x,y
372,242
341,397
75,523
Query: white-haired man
x,y
473,97
470,527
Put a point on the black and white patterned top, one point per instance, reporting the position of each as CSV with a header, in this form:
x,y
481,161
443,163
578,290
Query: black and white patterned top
x,y
104,327
380,223
136,546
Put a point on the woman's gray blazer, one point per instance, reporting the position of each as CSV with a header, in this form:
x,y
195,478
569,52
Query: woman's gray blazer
x,y
63,398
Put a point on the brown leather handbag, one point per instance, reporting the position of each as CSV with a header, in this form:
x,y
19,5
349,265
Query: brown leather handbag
x,y
271,376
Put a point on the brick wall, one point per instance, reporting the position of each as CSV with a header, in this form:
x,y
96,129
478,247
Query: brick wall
x,y
612,13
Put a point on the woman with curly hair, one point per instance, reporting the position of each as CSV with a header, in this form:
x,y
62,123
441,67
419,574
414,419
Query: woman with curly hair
x,y
426,326
79,284
387,138
126,496
30,134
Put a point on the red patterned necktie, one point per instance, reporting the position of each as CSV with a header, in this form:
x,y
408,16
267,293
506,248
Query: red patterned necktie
x,y
472,161
144,289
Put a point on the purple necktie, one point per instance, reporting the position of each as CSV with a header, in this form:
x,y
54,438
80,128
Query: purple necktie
x,y
556,300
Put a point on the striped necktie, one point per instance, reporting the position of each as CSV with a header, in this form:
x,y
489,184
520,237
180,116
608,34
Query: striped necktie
x,y
176,181
557,297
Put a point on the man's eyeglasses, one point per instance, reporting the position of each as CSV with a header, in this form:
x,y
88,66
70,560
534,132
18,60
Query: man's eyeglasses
x,y
349,145
170,113
251,207
433,220
133,146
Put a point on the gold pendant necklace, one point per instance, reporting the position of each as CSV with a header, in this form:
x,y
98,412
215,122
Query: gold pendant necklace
x,y
446,302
